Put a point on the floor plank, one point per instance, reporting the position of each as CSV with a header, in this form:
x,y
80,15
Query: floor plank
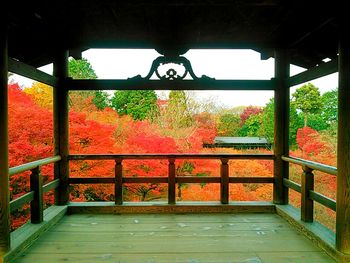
x,y
249,238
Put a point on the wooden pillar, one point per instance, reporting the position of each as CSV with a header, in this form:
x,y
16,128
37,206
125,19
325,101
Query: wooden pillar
x,y
343,154
60,112
281,127
4,171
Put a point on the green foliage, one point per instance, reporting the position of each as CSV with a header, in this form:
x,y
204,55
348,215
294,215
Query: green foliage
x,y
229,124
316,122
100,100
139,104
266,128
329,112
307,98
178,114
81,69
251,126
296,122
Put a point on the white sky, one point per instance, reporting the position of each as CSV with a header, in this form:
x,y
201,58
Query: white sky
x,y
219,64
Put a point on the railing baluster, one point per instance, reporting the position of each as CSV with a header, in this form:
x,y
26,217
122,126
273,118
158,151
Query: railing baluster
x,y
307,204
171,181
224,189
36,206
118,185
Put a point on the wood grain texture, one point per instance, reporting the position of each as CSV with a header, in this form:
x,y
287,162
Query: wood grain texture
x,y
343,152
318,233
173,238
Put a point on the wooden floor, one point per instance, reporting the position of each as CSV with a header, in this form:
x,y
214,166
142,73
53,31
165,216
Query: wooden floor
x,y
189,238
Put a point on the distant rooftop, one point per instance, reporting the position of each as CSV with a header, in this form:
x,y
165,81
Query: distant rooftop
x,y
239,142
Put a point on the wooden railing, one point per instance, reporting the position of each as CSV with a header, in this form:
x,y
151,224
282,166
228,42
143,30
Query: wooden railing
x,y
37,189
118,180
306,188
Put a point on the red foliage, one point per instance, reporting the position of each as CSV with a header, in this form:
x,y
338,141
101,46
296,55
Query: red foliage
x,y
248,111
309,141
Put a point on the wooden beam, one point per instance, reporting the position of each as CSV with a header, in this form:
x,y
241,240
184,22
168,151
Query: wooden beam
x,y
281,126
171,155
33,73
20,201
343,153
314,73
313,165
51,185
4,171
131,84
292,185
28,166
60,116
324,200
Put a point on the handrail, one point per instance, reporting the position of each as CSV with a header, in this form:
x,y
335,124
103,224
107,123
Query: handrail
x,y
37,189
313,165
169,155
224,180
306,188
29,166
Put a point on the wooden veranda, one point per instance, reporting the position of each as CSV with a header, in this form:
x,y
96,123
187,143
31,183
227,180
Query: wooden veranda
x,y
272,27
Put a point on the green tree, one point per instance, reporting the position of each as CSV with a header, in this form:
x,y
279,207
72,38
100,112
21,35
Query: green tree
x,y
266,128
307,98
139,104
100,99
82,69
251,126
316,122
177,112
229,124
330,106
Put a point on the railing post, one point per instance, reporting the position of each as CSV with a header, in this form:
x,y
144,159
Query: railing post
x,y
36,205
224,185
281,126
118,184
307,204
4,171
171,181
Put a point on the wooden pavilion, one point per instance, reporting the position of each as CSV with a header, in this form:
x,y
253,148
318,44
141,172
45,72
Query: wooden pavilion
x,y
303,33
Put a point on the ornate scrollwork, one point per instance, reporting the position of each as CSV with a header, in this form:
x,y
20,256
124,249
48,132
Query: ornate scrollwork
x,y
171,73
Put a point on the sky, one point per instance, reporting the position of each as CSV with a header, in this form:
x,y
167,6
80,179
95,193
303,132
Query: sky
x,y
219,64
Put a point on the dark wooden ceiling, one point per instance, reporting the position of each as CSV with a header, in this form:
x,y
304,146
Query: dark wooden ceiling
x,y
38,28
